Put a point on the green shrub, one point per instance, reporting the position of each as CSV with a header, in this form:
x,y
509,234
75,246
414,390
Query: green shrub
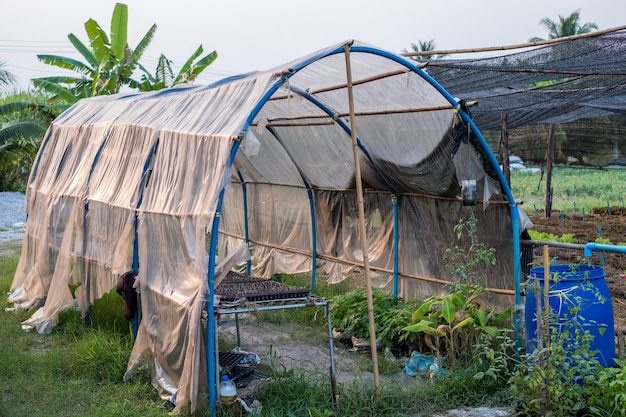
x,y
349,315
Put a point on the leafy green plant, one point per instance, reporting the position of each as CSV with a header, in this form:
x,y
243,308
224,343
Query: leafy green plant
x,y
449,325
466,263
24,118
610,393
558,379
391,317
349,315
110,63
549,237
560,374
498,357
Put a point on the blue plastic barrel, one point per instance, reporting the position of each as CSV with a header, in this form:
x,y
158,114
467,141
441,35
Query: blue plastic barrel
x,y
581,289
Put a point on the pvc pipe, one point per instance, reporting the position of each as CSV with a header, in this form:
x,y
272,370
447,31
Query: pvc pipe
x,y
313,235
593,246
246,226
212,348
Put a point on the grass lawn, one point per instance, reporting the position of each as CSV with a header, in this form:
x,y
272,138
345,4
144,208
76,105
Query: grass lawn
x,y
72,372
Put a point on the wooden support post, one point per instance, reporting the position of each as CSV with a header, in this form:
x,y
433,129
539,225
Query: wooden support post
x,y
504,139
546,320
549,163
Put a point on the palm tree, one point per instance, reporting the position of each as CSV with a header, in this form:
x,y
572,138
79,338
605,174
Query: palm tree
x,y
424,46
567,26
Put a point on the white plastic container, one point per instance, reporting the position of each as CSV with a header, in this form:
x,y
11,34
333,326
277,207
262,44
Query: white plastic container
x,y
228,391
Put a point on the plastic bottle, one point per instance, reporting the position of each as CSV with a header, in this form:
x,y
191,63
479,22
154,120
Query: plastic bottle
x,y
228,391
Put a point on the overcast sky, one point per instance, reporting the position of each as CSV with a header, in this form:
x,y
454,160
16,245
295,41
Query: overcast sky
x,y
257,35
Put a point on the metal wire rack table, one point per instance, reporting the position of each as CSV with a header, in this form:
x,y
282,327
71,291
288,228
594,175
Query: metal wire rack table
x,y
240,294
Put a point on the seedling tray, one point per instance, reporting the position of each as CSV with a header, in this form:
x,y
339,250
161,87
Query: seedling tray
x,y
235,287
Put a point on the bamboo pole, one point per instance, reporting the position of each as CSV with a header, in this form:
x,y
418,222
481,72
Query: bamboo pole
x,y
549,164
578,74
517,46
546,292
504,139
540,338
324,117
363,236
546,321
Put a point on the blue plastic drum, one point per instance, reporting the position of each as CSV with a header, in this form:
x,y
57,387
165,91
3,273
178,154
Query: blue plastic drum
x,y
579,298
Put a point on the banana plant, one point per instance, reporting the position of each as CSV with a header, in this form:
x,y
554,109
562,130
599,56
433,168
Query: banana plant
x,y
22,125
6,77
109,62
164,76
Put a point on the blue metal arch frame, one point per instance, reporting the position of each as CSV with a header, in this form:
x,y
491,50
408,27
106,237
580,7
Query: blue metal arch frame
x,y
211,345
340,50
244,190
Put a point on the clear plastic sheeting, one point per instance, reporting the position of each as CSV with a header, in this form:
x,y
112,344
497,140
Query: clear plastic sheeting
x,y
172,286
139,182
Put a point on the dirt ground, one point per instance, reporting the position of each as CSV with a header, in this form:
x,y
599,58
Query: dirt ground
x,y
598,223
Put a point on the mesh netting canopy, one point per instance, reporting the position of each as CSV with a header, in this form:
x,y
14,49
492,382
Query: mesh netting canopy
x,y
181,184
578,84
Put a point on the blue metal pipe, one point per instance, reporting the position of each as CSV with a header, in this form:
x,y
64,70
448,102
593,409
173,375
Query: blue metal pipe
x,y
246,226
313,236
211,345
593,246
